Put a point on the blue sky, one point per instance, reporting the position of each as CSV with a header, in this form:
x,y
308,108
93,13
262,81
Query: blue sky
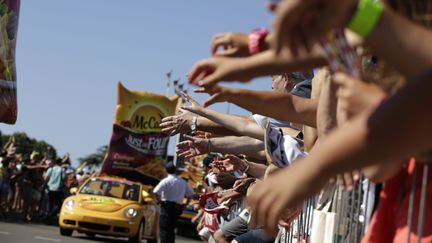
x,y
71,54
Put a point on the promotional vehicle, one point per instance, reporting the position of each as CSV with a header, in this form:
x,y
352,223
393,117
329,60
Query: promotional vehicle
x,y
111,206
185,227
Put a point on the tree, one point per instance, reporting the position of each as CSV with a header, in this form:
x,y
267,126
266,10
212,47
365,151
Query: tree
x,y
95,158
26,145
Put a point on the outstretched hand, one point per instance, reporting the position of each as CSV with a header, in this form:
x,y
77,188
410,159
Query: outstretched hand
x,y
356,96
209,72
192,147
216,92
269,199
232,44
194,106
300,23
231,163
180,123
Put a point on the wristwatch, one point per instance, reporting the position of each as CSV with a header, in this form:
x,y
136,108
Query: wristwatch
x,y
193,125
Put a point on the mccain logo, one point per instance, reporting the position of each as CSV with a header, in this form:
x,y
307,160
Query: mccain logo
x,y
145,119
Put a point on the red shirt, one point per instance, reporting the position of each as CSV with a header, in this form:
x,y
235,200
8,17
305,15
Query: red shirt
x,y
390,221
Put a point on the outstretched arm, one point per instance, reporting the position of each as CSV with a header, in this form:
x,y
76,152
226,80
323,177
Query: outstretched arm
x,y
293,29
291,108
372,137
182,123
211,71
248,146
238,124
411,41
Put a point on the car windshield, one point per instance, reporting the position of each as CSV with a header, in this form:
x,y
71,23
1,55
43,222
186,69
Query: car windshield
x,y
109,187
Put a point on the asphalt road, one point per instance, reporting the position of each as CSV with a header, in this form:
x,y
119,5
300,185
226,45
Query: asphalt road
x,y
37,233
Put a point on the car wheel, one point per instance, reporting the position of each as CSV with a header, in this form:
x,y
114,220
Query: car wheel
x,y
66,232
138,237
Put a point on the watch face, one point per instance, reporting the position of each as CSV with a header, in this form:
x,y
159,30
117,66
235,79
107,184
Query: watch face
x,y
193,126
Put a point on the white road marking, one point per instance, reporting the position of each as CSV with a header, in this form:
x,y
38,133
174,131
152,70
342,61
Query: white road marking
x,y
47,239
4,233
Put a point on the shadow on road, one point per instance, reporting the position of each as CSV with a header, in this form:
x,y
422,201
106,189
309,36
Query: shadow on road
x,y
100,239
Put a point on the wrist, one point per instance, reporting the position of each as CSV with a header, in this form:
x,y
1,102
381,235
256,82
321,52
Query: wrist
x,y
193,124
366,16
209,145
256,42
198,122
350,10
228,94
245,166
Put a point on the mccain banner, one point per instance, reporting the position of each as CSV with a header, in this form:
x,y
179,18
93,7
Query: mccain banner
x,y
138,148
9,15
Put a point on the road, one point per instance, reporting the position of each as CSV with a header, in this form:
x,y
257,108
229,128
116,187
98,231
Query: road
x,y
37,233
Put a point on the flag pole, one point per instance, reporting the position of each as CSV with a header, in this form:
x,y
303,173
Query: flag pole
x,y
177,89
168,84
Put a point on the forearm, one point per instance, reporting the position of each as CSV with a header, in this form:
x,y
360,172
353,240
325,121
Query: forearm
x,y
256,170
387,134
270,170
239,145
206,125
268,63
409,42
292,108
326,112
310,137
381,172
237,124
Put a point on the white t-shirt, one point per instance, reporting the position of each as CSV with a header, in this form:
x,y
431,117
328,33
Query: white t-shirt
x,y
282,149
260,120
173,189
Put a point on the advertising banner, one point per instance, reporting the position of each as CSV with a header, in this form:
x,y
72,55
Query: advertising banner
x,y
9,13
138,148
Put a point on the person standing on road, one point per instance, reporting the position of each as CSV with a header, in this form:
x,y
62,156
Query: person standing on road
x,y
171,191
54,178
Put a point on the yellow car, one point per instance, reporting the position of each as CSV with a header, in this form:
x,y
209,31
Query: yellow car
x,y
111,206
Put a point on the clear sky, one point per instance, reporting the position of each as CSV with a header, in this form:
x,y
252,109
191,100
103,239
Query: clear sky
x,y
71,54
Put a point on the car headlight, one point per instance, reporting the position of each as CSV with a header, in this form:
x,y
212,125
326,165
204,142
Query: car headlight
x,y
130,213
70,204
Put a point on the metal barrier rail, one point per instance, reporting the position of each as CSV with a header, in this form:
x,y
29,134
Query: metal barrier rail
x,y
353,211
300,228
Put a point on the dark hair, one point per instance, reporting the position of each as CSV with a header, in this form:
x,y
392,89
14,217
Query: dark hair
x,y
208,160
58,161
6,161
170,168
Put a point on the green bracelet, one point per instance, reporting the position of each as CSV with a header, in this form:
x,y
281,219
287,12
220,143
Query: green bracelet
x,y
366,17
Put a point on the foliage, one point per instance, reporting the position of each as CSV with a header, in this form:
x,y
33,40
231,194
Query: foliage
x,y
26,145
95,158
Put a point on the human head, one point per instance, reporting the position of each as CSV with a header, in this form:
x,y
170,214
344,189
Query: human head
x,y
105,186
207,161
34,156
286,82
279,83
170,168
58,161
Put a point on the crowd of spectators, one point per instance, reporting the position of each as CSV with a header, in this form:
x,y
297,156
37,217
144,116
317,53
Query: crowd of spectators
x,y
33,186
350,93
